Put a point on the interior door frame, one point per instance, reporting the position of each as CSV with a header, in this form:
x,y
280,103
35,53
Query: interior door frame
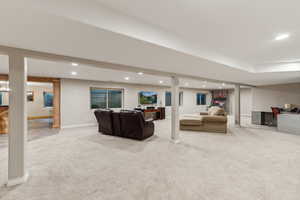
x,y
56,83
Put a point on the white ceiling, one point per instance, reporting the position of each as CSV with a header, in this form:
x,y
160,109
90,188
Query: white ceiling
x,y
242,30
230,40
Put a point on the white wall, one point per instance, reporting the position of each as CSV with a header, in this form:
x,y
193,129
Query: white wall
x,y
262,98
36,108
246,102
276,96
75,100
189,101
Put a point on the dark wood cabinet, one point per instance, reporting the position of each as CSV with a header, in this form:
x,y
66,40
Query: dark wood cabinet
x,y
262,118
162,112
155,113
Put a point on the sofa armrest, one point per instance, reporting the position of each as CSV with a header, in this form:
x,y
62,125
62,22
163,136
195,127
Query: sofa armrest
x,y
203,113
148,129
149,120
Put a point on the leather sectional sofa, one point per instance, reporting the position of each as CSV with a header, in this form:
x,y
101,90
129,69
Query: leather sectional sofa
x,y
128,124
215,120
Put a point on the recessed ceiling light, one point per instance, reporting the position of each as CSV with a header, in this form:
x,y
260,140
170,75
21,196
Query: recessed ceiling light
x,y
74,73
140,73
223,84
75,64
127,78
282,36
161,82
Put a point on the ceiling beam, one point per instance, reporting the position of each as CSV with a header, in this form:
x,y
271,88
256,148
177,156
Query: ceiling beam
x,y
105,65
4,77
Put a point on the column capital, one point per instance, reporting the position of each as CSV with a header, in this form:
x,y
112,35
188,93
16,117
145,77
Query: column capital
x,y
175,80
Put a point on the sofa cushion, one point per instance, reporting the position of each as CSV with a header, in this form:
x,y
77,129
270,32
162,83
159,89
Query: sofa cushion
x,y
215,110
214,118
191,121
188,116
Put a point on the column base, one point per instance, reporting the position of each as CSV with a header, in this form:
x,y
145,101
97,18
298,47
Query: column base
x,y
175,141
17,181
238,126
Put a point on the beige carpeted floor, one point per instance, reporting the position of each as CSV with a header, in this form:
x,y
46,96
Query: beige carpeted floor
x,y
81,164
38,128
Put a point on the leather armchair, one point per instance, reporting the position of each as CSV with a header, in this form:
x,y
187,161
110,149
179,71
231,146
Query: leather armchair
x,y
134,125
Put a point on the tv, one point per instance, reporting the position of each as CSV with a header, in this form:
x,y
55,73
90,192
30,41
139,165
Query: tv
x,y
146,98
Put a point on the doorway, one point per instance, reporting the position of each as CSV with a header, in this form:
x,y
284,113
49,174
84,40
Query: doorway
x,y
43,100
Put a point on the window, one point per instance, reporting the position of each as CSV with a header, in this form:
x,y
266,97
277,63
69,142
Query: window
x,y
201,99
114,98
180,98
48,99
168,99
106,98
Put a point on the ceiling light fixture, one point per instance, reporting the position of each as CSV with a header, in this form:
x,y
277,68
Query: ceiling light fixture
x,y
282,36
161,82
74,73
140,73
223,84
127,78
204,86
75,64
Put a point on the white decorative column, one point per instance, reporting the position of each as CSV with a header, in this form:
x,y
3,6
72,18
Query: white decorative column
x,y
175,110
237,114
17,120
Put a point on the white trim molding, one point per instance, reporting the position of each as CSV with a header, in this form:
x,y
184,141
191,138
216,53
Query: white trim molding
x,y
246,115
17,181
79,125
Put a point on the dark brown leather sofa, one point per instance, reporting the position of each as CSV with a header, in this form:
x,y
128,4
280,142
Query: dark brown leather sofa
x,y
128,124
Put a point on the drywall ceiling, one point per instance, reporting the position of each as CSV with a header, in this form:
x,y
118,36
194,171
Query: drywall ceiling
x,y
240,30
228,41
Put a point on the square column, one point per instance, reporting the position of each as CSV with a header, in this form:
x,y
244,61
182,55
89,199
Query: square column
x,y
237,110
175,110
17,120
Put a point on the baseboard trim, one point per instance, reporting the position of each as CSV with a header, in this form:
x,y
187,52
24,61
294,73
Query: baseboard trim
x,y
17,181
78,125
40,117
246,115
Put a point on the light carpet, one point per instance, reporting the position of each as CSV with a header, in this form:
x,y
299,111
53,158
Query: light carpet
x,y
81,164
